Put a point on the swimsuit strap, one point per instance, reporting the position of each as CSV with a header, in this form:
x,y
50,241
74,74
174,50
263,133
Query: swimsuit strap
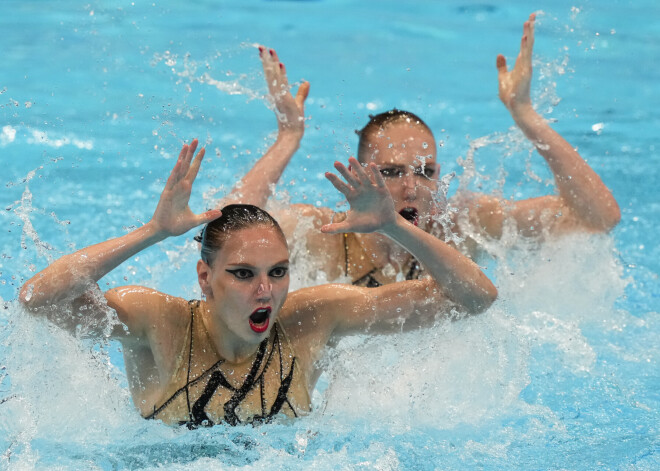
x,y
197,415
345,253
368,280
254,377
193,305
371,281
414,272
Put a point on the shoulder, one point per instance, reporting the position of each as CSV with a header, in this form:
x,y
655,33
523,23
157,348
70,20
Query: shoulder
x,y
301,225
142,309
320,307
483,212
293,215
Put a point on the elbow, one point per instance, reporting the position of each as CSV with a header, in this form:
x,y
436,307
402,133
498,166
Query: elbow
x,y
25,295
481,298
610,218
614,216
487,296
30,295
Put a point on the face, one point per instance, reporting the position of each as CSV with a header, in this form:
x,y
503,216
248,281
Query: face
x,y
248,282
406,156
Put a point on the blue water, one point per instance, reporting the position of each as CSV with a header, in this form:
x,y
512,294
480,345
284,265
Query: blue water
x,y
561,373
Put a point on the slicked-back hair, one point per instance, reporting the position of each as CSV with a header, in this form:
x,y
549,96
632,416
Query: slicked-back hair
x,y
378,122
235,217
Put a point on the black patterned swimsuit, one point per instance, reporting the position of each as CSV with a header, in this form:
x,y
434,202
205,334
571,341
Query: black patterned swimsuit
x,y
368,280
271,359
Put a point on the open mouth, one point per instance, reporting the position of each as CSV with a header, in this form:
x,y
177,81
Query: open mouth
x,y
411,215
260,319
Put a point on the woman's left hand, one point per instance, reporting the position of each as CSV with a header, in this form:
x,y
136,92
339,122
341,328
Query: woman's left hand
x,y
372,208
173,215
514,85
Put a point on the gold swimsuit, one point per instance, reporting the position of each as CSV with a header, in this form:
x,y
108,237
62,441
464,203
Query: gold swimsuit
x,y
361,270
205,390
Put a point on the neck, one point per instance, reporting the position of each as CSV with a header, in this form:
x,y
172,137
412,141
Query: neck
x,y
230,347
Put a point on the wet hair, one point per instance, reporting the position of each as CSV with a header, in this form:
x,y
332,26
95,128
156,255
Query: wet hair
x,y
235,217
378,122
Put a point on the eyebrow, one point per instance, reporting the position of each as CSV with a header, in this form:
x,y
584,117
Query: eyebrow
x,y
427,165
249,265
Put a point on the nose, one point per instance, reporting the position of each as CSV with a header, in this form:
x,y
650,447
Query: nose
x,y
409,186
264,289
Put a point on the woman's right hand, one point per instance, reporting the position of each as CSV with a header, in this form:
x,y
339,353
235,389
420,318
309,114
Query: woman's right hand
x,y
173,216
290,111
372,207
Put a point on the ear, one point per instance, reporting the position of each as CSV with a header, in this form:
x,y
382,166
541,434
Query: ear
x,y
204,278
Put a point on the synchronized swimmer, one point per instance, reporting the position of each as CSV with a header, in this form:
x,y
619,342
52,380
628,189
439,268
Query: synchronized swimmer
x,y
247,351
404,150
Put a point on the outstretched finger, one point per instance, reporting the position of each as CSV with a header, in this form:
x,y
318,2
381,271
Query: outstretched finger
x,y
347,174
194,168
342,187
280,82
377,176
191,151
271,70
359,172
176,174
527,41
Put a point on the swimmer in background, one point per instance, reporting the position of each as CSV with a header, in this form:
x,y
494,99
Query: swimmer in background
x,y
248,351
404,149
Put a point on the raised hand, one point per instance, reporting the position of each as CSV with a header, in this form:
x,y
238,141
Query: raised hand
x,y
173,215
290,111
514,85
372,208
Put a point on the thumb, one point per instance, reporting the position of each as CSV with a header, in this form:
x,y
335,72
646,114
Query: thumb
x,y
335,228
500,63
208,216
301,95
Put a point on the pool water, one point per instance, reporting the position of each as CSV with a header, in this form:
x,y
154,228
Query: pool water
x,y
561,372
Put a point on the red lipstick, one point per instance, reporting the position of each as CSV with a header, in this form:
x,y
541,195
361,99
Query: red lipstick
x,y
260,319
411,215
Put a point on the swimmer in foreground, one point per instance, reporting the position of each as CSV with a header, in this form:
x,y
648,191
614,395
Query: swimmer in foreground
x,y
247,352
404,150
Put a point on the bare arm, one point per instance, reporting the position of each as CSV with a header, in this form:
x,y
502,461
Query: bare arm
x,y
584,202
74,276
256,186
372,210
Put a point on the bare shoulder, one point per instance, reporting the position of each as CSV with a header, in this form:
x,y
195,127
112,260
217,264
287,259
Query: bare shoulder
x,y
481,212
301,224
316,307
310,317
291,216
142,309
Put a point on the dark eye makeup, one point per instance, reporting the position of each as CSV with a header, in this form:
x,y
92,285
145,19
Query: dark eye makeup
x,y
241,273
245,273
278,272
391,172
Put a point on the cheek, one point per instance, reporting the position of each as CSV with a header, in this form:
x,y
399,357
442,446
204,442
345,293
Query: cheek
x,y
281,288
427,185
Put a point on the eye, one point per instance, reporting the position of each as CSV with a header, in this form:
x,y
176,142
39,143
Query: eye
x,y
424,171
241,273
391,172
278,272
